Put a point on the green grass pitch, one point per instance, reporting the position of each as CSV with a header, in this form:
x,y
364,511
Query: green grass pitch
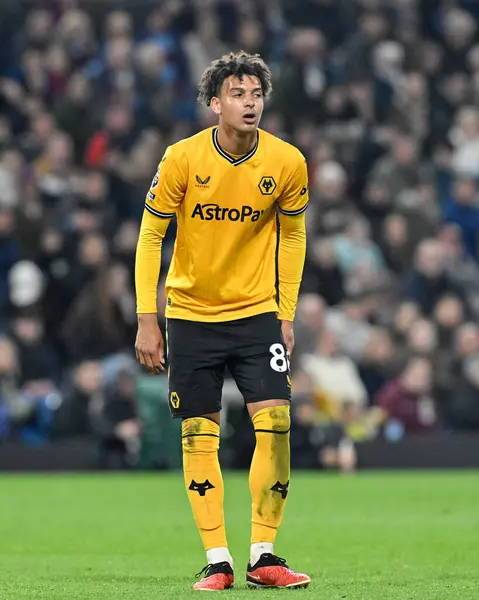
x,y
366,537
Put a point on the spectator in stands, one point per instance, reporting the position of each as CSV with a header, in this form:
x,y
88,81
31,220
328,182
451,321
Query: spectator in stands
x,y
428,281
322,274
34,140
9,254
465,138
461,268
124,245
26,285
376,204
316,440
378,362
397,244
334,376
332,210
38,375
73,113
407,401
359,259
120,427
75,31
39,366
410,105
467,340
89,210
14,408
461,410
462,209
303,78
53,171
355,249
83,398
422,339
348,321
406,316
107,305
448,315
309,323
398,170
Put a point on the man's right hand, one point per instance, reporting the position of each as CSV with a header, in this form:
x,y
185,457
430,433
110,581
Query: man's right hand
x,y
149,346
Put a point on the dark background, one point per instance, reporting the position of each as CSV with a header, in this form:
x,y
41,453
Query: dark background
x,y
380,96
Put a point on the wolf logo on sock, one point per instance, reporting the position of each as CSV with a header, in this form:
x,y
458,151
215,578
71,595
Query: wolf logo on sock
x,y
281,488
201,488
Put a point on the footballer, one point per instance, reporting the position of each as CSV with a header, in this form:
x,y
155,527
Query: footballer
x,y
228,187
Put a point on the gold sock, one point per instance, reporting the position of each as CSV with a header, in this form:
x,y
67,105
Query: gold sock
x,y
269,473
203,479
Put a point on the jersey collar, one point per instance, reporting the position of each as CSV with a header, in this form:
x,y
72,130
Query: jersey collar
x,y
234,161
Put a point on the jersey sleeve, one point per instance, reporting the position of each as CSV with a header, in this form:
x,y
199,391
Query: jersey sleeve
x,y
294,198
291,255
168,187
148,261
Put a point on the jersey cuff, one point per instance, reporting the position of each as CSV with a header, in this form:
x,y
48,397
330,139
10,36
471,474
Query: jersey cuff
x,y
157,213
293,213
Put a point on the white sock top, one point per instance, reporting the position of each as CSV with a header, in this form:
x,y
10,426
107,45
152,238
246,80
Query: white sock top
x,y
217,555
258,549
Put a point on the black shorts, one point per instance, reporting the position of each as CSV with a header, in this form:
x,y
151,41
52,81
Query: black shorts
x,y
198,353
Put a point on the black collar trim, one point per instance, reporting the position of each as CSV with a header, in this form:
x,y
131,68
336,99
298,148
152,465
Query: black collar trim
x,y
234,161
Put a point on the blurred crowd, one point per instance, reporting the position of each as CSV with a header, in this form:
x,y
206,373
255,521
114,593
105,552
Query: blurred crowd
x,y
381,97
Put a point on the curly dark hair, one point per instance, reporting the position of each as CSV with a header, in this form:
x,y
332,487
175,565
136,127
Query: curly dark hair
x,y
237,64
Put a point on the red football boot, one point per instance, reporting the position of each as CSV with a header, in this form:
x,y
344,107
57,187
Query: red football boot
x,y
272,572
217,577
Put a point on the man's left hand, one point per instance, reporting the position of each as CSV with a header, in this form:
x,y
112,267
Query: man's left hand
x,y
288,335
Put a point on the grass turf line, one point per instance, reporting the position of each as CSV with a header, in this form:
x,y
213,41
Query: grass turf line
x,y
370,537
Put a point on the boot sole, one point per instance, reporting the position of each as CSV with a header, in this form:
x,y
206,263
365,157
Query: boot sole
x,y
207,590
291,586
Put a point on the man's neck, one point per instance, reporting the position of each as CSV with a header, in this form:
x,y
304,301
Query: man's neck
x,y
233,142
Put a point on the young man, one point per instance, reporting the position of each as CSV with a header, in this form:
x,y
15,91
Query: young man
x,y
226,185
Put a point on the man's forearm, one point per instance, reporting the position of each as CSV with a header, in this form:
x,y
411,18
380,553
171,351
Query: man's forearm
x,y
147,320
147,266
292,252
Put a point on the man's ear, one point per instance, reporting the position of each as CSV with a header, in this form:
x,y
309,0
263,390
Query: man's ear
x,y
216,105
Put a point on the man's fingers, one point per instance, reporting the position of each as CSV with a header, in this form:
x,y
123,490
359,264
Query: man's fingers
x,y
147,360
153,361
155,365
289,346
142,358
161,355
161,351
161,358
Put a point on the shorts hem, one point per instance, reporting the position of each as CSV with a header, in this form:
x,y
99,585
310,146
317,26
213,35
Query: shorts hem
x,y
256,399
187,414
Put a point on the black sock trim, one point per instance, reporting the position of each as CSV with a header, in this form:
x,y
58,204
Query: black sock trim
x,y
273,431
200,435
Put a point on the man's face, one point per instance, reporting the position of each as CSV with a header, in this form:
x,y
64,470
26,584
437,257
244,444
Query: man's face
x,y
28,330
431,260
418,376
465,191
240,103
404,151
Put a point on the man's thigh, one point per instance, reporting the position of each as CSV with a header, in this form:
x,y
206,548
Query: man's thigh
x,y
259,362
196,360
